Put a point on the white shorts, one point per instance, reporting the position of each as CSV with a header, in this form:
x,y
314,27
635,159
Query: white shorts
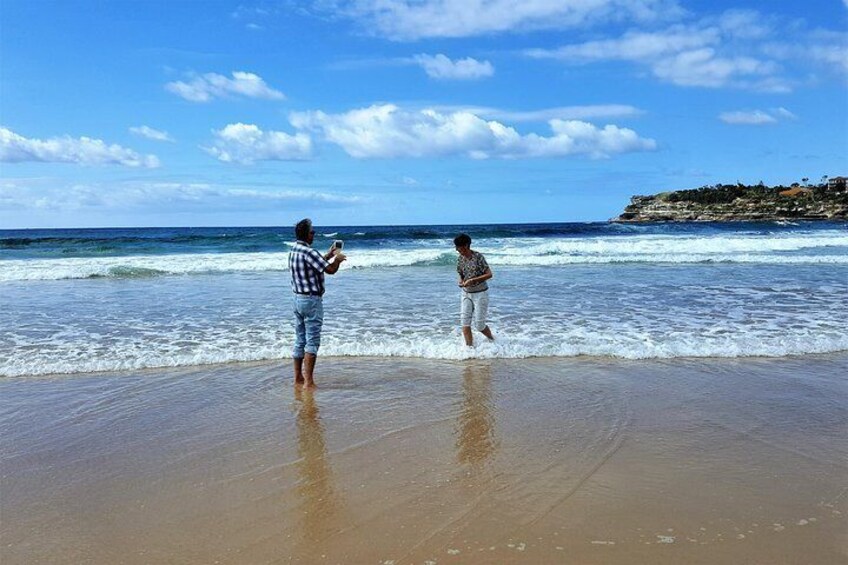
x,y
474,308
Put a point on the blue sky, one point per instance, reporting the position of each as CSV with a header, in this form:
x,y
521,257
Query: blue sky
x,y
360,112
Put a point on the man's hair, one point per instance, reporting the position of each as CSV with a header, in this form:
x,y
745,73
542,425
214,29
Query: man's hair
x,y
302,228
462,240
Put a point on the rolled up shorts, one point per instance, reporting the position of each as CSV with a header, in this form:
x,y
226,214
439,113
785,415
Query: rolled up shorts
x,y
308,319
474,309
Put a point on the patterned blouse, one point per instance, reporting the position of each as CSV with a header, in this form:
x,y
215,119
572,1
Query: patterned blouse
x,y
470,268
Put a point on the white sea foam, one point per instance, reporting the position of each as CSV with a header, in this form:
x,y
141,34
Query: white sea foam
x,y
165,314
196,264
827,247
682,246
83,355
133,266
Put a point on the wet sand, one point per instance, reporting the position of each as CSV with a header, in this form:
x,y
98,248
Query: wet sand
x,y
413,461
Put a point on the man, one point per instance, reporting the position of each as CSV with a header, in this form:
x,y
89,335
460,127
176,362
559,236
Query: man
x,y
307,268
473,273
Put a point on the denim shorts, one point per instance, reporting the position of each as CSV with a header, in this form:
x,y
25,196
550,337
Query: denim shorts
x,y
474,308
308,319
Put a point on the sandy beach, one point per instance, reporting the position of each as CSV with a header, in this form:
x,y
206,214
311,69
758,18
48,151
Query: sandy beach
x,y
410,461
576,273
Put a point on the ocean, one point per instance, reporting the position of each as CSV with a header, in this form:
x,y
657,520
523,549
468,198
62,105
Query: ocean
x,y
88,300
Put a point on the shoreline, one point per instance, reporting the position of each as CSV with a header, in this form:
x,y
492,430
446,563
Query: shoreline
x,y
366,358
593,460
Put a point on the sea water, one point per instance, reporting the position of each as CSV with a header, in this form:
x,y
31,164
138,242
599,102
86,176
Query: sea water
x,y
116,299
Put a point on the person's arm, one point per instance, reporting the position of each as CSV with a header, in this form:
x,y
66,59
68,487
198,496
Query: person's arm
x,y
321,264
477,280
335,262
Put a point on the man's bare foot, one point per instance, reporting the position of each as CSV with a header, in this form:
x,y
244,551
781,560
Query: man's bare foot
x,y
298,370
310,385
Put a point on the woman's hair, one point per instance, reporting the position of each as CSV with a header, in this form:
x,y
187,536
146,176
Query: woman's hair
x,y
462,240
301,230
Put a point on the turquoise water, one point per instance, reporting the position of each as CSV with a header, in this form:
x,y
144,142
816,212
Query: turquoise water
x,y
104,300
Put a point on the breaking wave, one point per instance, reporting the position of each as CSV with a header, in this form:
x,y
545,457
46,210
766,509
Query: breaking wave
x,y
820,248
83,357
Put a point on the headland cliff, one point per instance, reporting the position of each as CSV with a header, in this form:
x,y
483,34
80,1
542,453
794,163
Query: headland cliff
x,y
739,203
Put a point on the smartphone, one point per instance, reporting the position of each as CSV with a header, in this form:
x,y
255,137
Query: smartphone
x,y
338,244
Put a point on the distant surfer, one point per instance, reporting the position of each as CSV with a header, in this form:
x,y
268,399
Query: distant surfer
x,y
473,273
307,268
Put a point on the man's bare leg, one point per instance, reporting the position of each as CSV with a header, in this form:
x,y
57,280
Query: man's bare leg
x,y
309,360
488,333
466,333
298,370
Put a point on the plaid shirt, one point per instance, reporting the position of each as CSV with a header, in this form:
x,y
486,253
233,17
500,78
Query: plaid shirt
x,y
307,269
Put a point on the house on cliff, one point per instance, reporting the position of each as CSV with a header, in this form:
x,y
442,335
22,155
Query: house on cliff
x,y
837,183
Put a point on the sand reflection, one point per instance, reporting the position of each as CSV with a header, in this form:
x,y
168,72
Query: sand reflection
x,y
319,503
476,441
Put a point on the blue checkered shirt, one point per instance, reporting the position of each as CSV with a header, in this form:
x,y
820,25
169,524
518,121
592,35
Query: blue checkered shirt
x,y
307,269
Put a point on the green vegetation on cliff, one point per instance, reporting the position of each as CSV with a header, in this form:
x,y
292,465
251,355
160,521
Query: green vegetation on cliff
x,y
726,193
739,202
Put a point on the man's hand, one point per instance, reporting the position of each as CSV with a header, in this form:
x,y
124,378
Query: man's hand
x,y
335,262
333,252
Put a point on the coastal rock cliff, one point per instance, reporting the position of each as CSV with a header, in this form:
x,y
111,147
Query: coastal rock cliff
x,y
731,203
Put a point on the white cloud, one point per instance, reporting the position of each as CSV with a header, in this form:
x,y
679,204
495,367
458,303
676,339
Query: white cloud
x,y
204,88
158,196
417,19
745,24
15,148
589,112
632,46
784,113
249,12
711,53
751,118
150,133
385,131
757,117
812,50
246,143
702,67
441,67
835,56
